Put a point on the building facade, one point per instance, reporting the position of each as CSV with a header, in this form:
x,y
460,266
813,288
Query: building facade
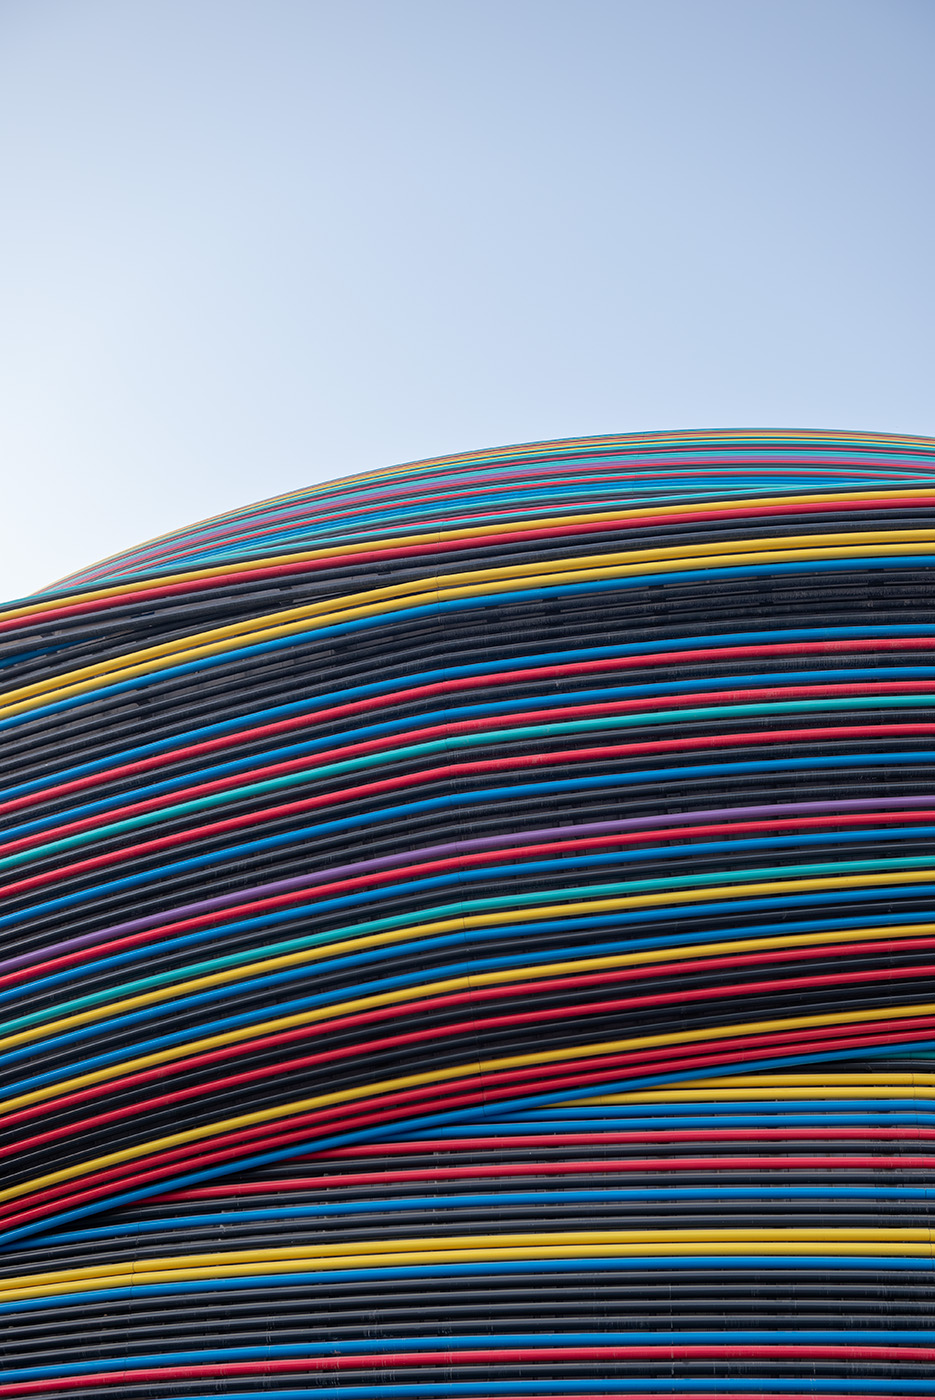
x,y
469,930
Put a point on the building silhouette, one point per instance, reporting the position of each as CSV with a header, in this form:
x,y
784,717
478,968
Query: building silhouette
x,y
469,930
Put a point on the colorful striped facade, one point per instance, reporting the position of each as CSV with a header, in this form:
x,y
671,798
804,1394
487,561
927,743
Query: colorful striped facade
x,y
469,931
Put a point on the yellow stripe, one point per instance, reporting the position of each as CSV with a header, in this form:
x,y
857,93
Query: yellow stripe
x,y
692,1093
899,1078
914,1084
833,1085
432,1244
449,1249
415,1259
396,935
448,587
503,975
471,1070
263,1028
437,536
634,447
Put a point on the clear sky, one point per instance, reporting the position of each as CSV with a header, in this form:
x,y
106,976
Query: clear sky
x,y
246,245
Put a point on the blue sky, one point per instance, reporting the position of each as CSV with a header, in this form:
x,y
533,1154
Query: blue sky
x,y
247,245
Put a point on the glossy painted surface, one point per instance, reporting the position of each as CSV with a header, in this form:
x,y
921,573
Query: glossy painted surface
x,y
470,930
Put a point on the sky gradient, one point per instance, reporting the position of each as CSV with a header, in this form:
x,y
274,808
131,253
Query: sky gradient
x,y
247,245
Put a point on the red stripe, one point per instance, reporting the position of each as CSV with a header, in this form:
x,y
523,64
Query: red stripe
x,y
321,886
490,1087
475,488
364,503
777,1166
483,1356
512,763
449,729
508,991
871,1036
461,683
480,540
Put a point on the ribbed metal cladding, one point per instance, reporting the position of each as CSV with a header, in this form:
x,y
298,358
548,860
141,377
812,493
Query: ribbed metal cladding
x,y
469,930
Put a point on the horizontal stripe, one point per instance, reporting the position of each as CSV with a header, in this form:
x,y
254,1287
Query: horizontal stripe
x,y
459,909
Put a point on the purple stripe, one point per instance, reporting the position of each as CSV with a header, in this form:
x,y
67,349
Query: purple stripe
x,y
480,843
